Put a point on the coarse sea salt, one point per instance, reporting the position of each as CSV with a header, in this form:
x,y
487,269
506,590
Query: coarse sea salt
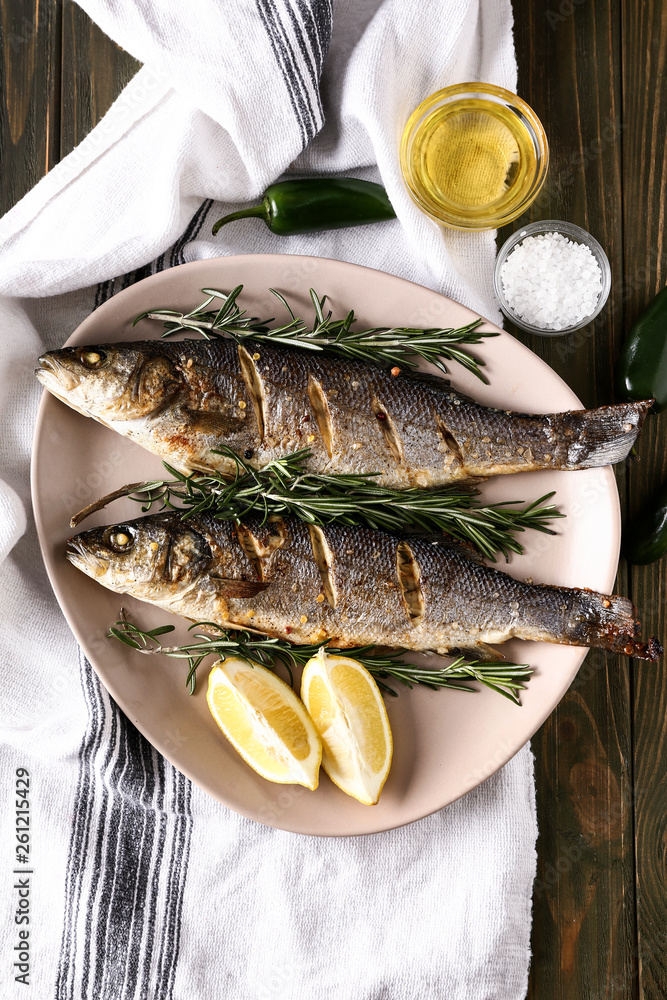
x,y
551,282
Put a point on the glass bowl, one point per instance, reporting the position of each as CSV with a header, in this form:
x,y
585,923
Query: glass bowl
x,y
572,232
474,156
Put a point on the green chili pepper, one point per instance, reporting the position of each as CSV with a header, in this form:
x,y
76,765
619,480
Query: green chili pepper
x,y
642,371
318,203
646,539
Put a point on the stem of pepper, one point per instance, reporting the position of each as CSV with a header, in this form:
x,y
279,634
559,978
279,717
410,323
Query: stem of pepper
x,y
257,212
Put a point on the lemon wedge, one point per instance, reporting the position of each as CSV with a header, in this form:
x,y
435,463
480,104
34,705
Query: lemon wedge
x,y
347,708
265,721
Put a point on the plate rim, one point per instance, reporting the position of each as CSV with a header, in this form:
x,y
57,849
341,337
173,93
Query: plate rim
x,y
268,258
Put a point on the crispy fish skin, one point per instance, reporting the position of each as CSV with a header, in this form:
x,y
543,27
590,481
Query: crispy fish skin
x,y
352,586
182,400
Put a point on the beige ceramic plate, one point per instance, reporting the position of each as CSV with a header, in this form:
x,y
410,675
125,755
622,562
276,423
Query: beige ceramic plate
x,y
445,743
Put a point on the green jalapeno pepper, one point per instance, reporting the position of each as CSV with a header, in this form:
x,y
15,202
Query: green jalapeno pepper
x,y
646,540
318,203
642,370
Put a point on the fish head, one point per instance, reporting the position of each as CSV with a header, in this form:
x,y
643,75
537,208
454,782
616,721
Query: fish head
x,y
156,558
111,382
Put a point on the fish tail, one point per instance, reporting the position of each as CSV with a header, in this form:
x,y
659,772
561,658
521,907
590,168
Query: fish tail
x,y
604,622
602,436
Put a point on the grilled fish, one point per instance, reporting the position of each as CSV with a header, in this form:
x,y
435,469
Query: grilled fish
x,y
183,400
351,585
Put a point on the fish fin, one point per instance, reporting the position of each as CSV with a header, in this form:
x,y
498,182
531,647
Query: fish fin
x,y
236,588
466,549
605,435
436,381
478,651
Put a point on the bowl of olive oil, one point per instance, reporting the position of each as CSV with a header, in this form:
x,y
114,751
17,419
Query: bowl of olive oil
x,y
474,156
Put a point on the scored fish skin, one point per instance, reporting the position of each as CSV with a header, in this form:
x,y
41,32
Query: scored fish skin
x,y
182,400
353,586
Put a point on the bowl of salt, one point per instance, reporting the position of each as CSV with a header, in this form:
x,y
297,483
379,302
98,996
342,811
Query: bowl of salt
x,y
551,278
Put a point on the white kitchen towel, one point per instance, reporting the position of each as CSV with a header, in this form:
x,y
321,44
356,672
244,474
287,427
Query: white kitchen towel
x,y
138,884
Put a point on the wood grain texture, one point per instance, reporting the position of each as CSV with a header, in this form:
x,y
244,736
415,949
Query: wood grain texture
x,y
94,71
58,76
584,935
645,251
29,94
593,70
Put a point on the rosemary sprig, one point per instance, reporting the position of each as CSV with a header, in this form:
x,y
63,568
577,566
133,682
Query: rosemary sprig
x,y
508,679
284,488
386,346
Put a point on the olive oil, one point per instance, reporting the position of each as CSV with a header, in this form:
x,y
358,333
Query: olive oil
x,y
474,161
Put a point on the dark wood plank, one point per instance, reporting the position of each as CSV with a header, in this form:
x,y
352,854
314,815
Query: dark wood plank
x,y
95,70
59,74
29,95
645,272
584,929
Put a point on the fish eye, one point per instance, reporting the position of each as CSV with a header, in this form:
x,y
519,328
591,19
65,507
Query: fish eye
x,y
119,539
92,359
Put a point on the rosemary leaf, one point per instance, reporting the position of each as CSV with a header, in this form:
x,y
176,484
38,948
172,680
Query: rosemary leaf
x,y
283,488
507,679
385,346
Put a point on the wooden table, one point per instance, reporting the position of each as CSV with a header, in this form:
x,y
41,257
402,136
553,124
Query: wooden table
x,y
593,70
